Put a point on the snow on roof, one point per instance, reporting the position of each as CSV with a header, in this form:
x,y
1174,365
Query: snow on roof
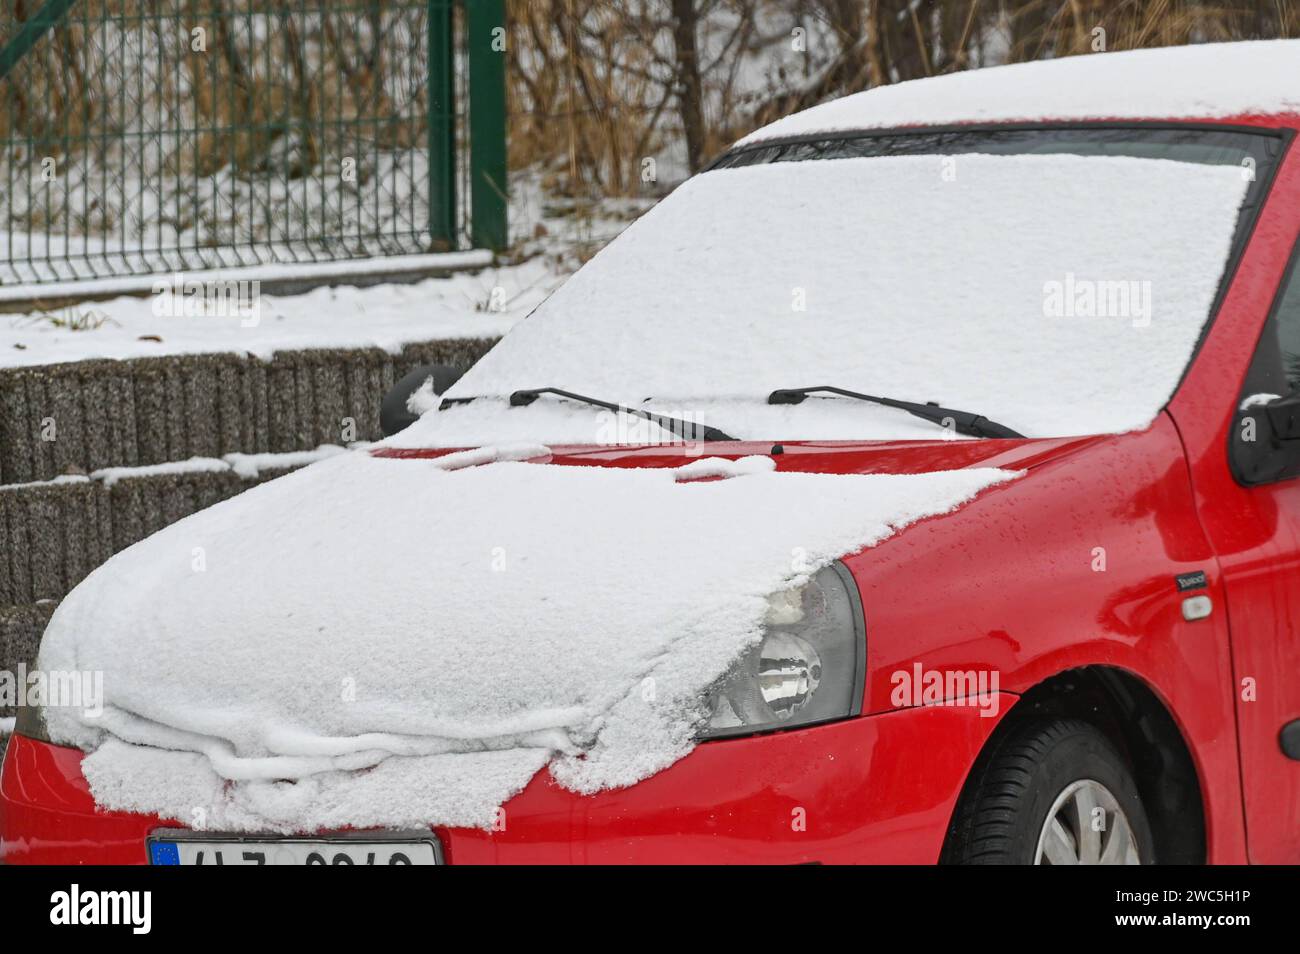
x,y
1204,81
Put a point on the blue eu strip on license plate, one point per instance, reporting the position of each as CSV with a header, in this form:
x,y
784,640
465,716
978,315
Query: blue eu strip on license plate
x,y
164,853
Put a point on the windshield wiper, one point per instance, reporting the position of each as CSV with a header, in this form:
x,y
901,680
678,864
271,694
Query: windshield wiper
x,y
686,430
963,422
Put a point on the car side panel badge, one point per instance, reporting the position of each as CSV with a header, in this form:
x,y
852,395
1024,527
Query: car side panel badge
x,y
1190,581
1197,607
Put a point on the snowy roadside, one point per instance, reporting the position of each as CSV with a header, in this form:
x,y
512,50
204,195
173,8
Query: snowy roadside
x,y
485,304
550,238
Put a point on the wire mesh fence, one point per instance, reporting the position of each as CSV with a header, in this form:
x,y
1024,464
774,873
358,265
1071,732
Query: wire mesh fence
x,y
148,136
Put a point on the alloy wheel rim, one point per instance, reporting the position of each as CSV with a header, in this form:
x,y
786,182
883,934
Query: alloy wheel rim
x,y
1086,826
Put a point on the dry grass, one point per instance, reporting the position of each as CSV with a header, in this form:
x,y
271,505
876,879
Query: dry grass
x,y
594,86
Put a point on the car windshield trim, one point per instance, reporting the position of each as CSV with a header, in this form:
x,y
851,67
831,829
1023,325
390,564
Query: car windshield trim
x,y
730,157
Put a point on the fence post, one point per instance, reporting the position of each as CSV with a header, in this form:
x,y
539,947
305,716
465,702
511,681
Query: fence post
x,y
486,34
442,125
49,14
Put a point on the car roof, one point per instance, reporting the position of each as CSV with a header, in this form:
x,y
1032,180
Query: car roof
x,y
1204,81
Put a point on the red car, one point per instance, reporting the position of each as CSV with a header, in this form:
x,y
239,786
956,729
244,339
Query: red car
x,y
1093,662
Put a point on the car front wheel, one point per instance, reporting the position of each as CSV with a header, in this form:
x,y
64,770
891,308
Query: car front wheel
x,y
1051,792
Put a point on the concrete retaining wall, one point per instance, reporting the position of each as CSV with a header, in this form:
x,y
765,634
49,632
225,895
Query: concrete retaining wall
x,y
86,415
52,535
20,634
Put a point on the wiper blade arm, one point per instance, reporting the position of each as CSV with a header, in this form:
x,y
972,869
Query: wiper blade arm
x,y
964,422
674,425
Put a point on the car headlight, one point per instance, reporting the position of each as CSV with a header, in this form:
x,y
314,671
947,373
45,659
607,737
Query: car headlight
x,y
808,668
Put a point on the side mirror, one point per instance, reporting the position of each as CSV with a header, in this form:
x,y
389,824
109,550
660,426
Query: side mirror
x,y
394,413
1284,417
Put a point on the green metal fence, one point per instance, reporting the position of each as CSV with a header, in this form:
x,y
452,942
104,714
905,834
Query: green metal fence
x,y
149,136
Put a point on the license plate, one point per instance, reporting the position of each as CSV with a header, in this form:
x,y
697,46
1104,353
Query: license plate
x,y
187,848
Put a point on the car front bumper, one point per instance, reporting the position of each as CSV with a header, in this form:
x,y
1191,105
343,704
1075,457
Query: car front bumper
x,y
876,789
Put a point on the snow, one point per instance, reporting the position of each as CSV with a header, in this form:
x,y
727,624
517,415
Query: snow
x,y
1257,400
194,465
482,305
566,422
1200,81
248,466
380,642
424,398
322,272
478,456
719,467
54,482
882,275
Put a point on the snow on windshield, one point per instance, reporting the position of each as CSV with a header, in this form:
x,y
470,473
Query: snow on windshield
x,y
1056,294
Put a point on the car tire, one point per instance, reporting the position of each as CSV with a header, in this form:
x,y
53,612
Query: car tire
x,y
1026,797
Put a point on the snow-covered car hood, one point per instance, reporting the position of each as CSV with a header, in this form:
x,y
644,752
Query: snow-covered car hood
x,y
372,641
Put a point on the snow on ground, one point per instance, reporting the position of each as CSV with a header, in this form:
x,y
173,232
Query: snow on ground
x,y
550,239
566,231
496,624
880,275
1204,80
286,269
485,304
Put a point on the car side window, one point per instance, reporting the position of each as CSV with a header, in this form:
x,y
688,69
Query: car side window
x,y
1286,321
1255,453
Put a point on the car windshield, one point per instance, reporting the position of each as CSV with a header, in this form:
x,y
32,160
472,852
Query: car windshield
x,y
1055,280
